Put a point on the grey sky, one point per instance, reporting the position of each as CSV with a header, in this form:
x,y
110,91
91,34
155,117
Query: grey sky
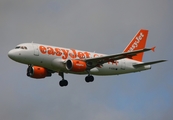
x,y
105,26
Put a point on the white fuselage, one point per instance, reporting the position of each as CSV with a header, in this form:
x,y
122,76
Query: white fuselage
x,y
54,58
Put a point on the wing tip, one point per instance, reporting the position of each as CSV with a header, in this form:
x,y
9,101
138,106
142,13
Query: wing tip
x,y
153,48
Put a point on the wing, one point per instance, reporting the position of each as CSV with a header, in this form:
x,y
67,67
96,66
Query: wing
x,y
93,62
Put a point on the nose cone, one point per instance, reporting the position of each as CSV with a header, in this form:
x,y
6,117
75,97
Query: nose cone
x,y
11,54
14,55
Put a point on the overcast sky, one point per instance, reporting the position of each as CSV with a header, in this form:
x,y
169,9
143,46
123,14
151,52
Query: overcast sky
x,y
104,26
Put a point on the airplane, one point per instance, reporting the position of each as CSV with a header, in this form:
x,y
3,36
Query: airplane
x,y
44,60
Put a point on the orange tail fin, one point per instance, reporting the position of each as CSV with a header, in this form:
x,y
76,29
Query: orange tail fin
x,y
138,42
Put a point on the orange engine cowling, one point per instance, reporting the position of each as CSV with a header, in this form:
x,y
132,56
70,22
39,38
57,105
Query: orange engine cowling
x,y
76,65
37,72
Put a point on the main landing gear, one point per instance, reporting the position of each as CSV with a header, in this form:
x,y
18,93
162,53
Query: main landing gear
x,y
64,82
89,78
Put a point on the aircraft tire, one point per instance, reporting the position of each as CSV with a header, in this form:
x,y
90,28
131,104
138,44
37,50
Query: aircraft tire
x,y
63,83
89,79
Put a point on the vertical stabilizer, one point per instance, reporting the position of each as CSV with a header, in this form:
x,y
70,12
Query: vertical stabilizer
x,y
137,43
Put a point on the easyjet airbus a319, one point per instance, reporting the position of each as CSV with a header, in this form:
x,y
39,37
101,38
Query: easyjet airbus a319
x,y
44,60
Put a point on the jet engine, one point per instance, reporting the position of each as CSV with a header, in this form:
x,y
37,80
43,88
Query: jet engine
x,y
76,65
37,72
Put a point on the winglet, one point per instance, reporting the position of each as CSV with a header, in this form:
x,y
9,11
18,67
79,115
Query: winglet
x,y
153,48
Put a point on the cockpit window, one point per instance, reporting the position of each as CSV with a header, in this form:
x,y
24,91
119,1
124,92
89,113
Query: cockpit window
x,y
17,47
21,47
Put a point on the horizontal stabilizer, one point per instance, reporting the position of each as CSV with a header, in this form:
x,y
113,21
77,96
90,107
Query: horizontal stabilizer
x,y
148,63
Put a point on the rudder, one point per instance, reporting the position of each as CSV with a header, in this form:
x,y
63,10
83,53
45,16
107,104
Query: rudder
x,y
137,43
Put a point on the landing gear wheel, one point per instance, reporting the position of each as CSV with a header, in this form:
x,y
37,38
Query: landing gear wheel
x,y
63,83
89,78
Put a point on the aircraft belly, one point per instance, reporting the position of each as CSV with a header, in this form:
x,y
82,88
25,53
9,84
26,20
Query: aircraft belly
x,y
106,69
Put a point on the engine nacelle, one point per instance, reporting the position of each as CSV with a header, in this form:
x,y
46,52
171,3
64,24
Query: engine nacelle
x,y
76,65
37,72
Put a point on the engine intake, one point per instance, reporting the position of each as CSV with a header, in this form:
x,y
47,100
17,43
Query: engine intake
x,y
76,65
37,72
